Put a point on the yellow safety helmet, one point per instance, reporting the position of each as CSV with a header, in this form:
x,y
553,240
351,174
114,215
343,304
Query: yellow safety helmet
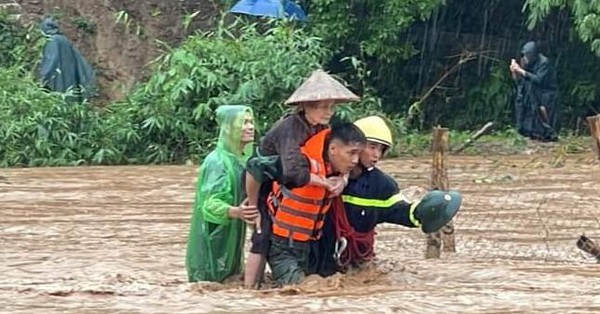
x,y
375,130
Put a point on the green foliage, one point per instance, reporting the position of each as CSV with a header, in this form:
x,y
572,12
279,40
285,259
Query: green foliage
x,y
170,118
491,99
84,24
503,141
578,82
18,45
10,37
585,14
372,32
39,128
368,28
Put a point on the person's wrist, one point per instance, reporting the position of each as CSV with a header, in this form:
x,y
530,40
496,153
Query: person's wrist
x,y
232,212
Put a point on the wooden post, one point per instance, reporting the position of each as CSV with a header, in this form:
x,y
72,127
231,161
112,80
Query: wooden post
x,y
594,125
448,239
439,181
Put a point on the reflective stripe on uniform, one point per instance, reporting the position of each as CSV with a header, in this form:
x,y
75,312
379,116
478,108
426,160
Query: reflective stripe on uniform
x,y
387,203
369,202
411,214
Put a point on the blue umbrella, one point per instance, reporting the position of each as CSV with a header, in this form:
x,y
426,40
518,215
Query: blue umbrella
x,y
270,8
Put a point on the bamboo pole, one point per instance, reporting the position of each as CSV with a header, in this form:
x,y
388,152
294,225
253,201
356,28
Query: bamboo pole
x,y
439,181
488,126
594,126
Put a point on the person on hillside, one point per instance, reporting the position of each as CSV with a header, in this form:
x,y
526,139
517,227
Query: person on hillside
x,y
216,240
63,68
536,105
373,197
298,213
314,102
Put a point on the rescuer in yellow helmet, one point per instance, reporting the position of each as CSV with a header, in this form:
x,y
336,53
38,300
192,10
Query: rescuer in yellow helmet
x,y
379,137
370,198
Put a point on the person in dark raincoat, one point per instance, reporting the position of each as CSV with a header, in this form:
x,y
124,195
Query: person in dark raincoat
x,y
536,105
216,241
63,68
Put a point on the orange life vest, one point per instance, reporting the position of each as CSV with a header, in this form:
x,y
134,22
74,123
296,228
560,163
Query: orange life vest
x,y
298,213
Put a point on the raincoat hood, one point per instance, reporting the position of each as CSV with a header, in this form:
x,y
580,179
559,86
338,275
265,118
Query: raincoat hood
x,y
49,27
231,123
530,50
215,249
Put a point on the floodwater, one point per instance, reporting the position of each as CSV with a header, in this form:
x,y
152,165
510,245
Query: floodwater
x,y
112,240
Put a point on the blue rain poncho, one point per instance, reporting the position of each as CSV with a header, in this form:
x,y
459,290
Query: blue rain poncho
x,y
63,68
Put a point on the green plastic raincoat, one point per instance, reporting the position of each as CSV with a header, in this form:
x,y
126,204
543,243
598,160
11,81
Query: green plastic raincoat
x,y
216,241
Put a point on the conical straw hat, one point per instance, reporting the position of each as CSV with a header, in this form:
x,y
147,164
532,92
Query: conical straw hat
x,y
321,86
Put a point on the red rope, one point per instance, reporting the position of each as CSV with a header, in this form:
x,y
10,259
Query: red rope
x,y
360,245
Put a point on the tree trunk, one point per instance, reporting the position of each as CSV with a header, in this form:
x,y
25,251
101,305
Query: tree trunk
x,y
594,125
439,181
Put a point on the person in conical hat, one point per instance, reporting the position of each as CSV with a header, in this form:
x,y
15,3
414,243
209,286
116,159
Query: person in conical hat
x,y
370,198
314,103
373,197
321,87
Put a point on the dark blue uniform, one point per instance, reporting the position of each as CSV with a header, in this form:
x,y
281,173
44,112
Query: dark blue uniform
x,y
370,199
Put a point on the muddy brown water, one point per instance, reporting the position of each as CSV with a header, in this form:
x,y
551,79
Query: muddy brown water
x,y
112,240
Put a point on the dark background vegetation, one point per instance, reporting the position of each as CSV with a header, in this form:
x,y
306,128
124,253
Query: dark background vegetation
x,y
417,62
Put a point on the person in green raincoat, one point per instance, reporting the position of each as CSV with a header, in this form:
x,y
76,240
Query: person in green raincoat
x,y
216,241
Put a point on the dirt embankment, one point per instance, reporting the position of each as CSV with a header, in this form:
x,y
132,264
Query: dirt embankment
x,y
121,53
